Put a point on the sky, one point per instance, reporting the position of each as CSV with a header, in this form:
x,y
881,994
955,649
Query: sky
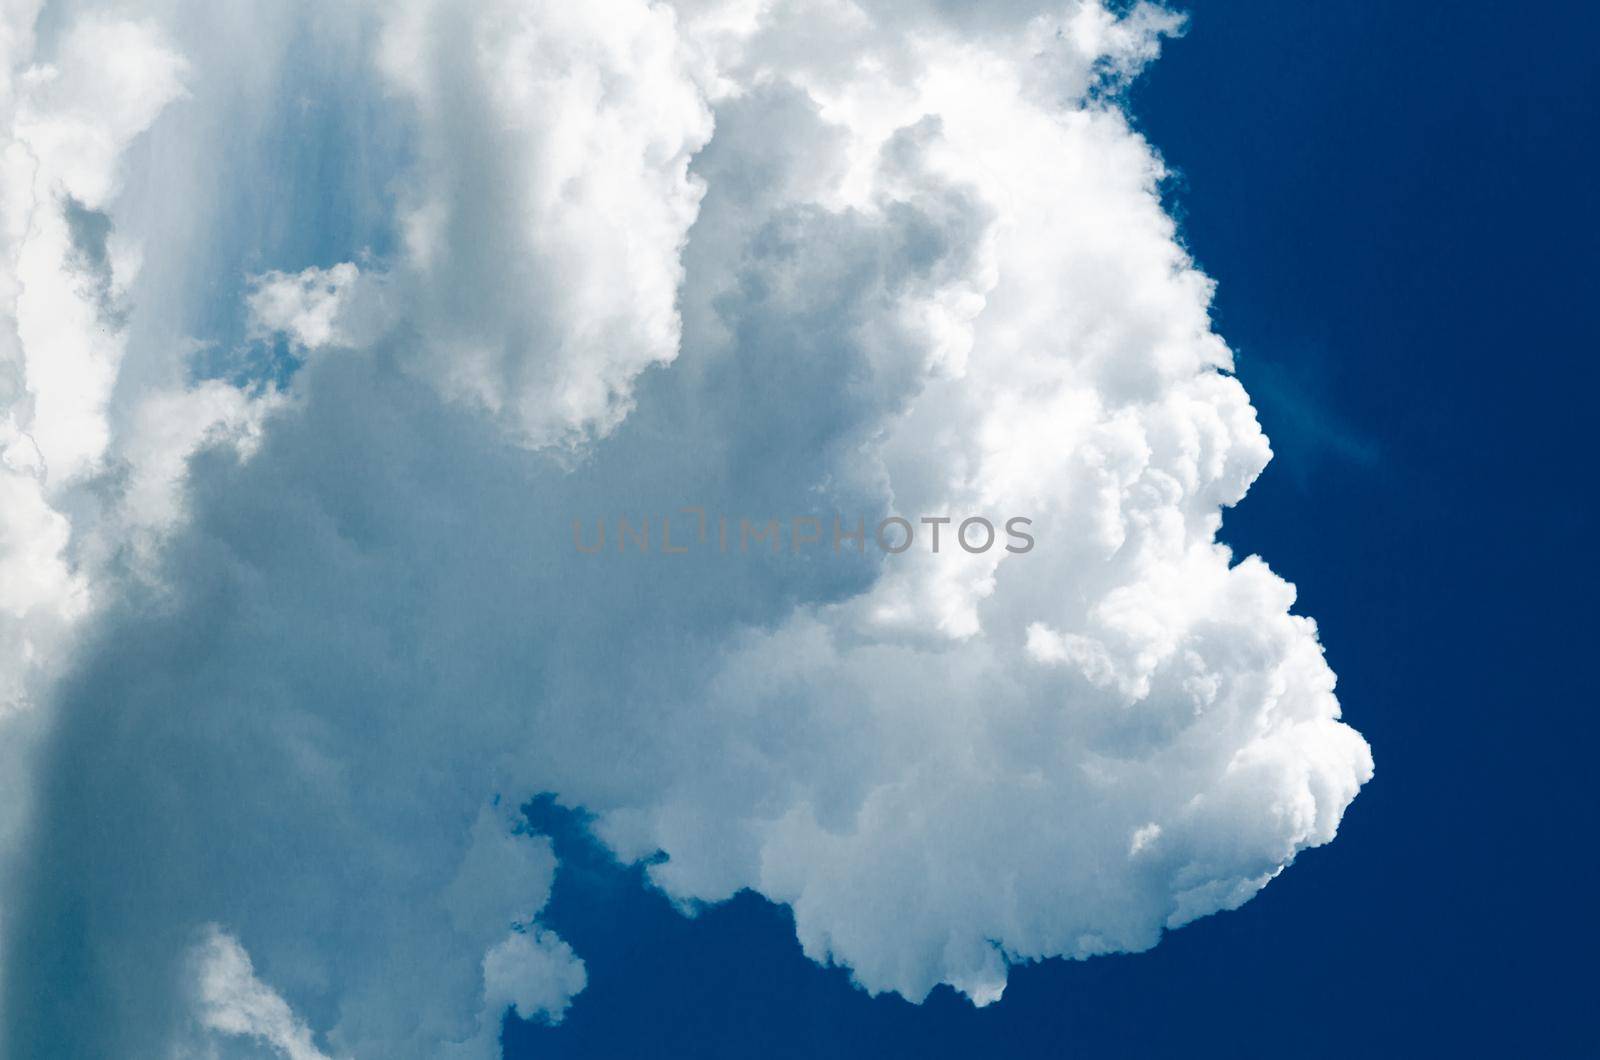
x,y
319,738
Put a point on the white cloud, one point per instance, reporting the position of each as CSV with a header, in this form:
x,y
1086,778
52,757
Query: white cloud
x,y
106,83
919,264
543,221
232,1001
305,307
535,973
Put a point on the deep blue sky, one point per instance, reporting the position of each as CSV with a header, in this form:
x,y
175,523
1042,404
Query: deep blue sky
x,y
1396,201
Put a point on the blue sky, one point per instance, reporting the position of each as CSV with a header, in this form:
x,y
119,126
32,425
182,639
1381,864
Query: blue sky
x,y
1394,202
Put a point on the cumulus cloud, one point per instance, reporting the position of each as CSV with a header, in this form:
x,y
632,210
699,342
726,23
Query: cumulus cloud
x,y
296,529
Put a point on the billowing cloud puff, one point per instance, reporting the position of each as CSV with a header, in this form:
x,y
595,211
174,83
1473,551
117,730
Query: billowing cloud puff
x,y
548,201
324,328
